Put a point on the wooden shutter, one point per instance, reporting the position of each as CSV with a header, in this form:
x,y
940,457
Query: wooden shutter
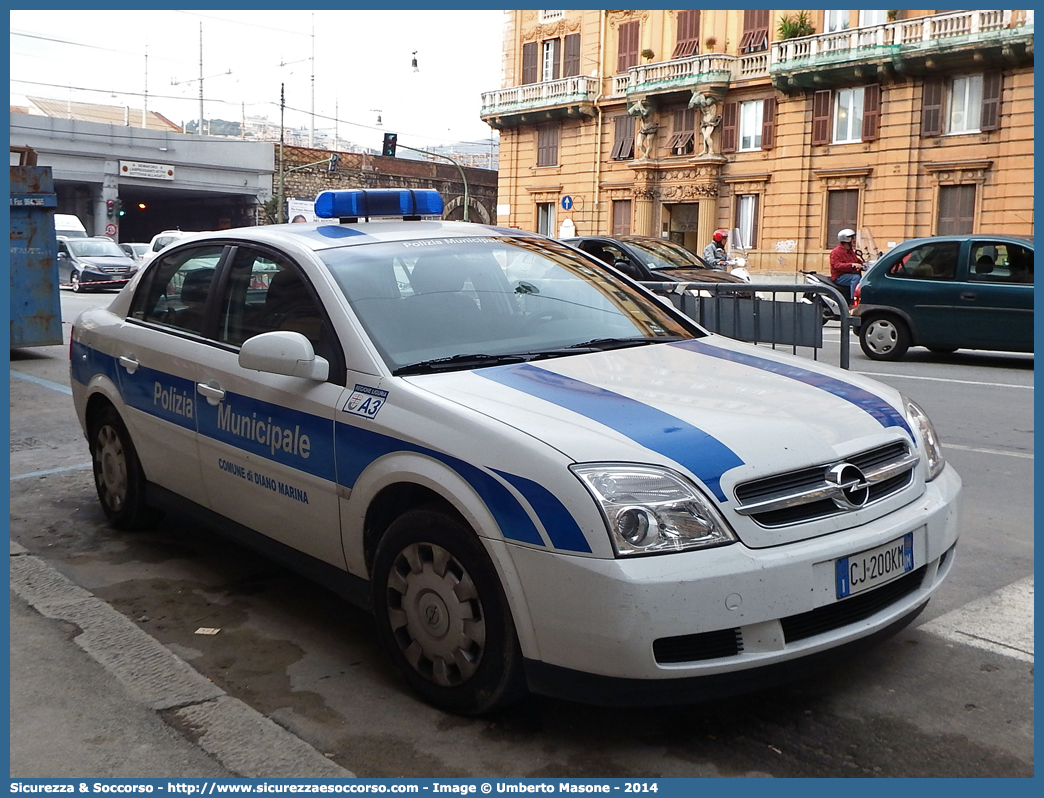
x,y
547,145
821,107
571,62
621,217
871,111
755,31
768,123
842,212
623,139
688,34
932,107
729,126
556,57
956,210
530,57
627,50
684,122
991,97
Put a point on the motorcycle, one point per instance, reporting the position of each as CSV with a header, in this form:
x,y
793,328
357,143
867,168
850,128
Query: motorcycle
x,y
867,251
737,256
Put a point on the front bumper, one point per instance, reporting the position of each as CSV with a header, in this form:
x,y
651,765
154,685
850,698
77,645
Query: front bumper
x,y
614,619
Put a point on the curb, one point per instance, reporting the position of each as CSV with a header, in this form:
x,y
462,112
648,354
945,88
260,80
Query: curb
x,y
240,738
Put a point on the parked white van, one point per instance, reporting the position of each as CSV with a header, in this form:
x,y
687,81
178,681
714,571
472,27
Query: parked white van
x,y
68,225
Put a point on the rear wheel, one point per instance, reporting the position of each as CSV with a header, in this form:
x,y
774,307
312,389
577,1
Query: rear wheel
x,y
884,337
442,614
118,475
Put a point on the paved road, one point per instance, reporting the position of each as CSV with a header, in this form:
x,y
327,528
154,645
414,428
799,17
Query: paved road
x,y
950,696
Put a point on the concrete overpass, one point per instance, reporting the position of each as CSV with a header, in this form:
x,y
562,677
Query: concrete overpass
x,y
183,181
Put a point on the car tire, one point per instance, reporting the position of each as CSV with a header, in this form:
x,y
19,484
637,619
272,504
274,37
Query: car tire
x,y
118,476
884,337
442,615
74,281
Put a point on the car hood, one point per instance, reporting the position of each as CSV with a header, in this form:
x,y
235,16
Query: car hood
x,y
722,411
112,263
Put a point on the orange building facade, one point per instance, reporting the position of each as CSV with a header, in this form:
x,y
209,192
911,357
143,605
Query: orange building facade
x,y
677,123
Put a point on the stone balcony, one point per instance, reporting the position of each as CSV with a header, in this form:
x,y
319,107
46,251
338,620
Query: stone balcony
x,y
539,102
690,73
955,40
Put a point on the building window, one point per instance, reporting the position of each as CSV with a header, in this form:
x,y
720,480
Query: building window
x,y
835,21
550,16
546,219
681,140
688,34
868,19
842,213
755,31
751,119
549,61
623,138
621,217
963,104
747,219
571,61
846,115
529,63
627,47
547,145
956,210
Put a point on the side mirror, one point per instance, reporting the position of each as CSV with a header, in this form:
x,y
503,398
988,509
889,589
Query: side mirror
x,y
283,352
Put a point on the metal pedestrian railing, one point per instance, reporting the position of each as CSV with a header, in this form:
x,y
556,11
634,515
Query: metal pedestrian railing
x,y
758,313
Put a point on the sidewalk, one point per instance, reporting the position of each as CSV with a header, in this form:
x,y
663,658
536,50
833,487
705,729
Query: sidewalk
x,y
93,696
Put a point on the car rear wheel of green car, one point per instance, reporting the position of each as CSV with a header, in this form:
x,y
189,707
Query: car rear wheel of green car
x,y
884,337
442,614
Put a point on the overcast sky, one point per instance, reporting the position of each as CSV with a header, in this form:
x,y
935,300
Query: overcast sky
x,y
362,65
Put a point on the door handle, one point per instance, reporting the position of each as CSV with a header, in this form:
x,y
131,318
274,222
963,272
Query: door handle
x,y
214,395
129,363
968,295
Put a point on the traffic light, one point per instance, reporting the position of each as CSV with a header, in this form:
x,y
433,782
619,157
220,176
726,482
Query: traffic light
x,y
389,145
331,167
110,208
119,207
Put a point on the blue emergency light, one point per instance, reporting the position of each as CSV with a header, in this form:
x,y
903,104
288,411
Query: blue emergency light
x,y
378,202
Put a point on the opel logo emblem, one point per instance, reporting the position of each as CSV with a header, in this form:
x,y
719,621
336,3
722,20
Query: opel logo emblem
x,y
432,615
852,490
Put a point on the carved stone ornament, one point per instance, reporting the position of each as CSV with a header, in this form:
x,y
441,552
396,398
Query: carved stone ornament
x,y
620,17
690,191
550,30
645,194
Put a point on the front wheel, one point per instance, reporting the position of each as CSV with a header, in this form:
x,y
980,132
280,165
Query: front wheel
x,y
118,475
884,338
74,279
442,615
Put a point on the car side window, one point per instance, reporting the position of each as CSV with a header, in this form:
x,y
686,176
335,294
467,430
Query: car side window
x,y
174,291
934,261
266,294
1001,263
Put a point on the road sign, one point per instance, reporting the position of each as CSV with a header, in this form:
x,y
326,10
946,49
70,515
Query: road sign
x,y
110,229
567,202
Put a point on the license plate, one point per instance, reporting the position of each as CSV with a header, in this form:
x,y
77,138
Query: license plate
x,y
874,567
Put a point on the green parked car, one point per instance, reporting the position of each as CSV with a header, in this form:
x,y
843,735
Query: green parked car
x,y
948,293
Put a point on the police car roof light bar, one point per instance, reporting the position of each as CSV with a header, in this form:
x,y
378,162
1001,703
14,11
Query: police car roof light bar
x,y
378,202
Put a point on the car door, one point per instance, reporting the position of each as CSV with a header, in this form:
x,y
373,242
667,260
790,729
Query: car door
x,y
923,284
161,347
65,264
267,440
995,305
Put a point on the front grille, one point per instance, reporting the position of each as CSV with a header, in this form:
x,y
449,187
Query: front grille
x,y
850,610
800,496
705,645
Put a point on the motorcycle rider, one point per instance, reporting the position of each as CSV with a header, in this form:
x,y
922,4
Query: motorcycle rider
x,y
714,252
846,263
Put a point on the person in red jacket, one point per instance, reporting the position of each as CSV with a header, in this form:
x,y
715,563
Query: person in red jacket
x,y
846,263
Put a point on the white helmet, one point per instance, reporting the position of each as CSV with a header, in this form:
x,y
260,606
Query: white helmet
x,y
846,235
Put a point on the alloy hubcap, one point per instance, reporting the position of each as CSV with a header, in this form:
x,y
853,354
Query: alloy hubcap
x,y
436,614
110,468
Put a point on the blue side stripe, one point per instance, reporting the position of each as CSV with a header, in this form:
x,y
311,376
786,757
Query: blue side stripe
x,y
705,456
557,520
358,447
870,403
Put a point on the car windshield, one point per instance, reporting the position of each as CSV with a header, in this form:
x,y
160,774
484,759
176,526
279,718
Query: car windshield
x,y
664,254
95,248
437,304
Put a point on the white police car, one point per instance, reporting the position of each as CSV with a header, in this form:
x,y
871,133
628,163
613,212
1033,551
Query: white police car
x,y
535,472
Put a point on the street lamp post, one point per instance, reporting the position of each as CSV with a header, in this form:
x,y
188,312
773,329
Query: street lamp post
x,y
463,177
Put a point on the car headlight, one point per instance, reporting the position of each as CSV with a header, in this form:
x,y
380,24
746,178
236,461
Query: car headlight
x,y
932,448
651,510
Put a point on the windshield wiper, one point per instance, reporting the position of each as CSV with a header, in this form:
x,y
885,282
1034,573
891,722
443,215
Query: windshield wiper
x,y
458,362
602,344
